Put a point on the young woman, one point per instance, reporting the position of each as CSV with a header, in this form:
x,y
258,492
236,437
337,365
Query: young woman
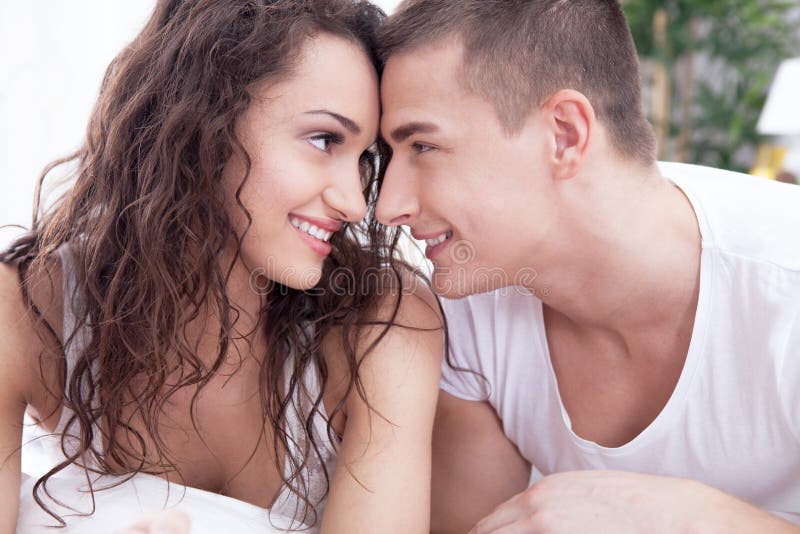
x,y
204,309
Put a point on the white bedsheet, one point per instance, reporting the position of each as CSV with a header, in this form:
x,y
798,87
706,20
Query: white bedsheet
x,y
124,505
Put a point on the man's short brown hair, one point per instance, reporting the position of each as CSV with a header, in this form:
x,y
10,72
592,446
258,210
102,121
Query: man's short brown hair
x,y
517,53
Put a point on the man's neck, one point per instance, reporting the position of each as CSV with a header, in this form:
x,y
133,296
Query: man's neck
x,y
626,258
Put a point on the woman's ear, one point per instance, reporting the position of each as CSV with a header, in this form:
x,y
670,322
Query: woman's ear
x,y
572,120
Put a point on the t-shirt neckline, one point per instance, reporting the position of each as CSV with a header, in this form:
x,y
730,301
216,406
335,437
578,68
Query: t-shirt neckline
x,y
676,402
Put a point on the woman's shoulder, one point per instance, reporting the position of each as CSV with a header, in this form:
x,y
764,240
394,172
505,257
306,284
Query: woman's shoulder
x,y
406,299
409,332
42,297
31,328
404,302
403,333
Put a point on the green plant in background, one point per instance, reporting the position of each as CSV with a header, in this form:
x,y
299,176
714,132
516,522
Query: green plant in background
x,y
712,63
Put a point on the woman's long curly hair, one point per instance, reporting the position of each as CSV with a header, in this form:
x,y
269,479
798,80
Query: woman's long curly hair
x,y
149,223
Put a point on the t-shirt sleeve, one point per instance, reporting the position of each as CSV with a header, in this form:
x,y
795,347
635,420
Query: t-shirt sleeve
x,y
789,378
788,516
464,370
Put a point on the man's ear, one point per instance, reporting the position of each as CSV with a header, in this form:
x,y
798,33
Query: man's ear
x,y
572,121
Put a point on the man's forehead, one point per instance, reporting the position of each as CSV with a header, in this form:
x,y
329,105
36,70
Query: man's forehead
x,y
434,57
422,76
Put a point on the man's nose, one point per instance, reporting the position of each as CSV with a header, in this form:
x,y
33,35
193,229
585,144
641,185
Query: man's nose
x,y
398,202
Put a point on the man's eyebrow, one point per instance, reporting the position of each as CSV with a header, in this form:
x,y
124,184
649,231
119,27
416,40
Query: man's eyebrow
x,y
401,133
349,124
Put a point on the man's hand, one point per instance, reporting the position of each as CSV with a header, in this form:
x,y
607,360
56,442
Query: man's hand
x,y
168,522
621,502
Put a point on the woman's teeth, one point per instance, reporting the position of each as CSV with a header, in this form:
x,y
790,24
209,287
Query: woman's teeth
x,y
441,239
310,229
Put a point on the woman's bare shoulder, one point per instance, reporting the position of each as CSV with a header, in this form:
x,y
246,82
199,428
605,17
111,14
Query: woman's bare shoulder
x,y
408,317
404,331
29,338
405,302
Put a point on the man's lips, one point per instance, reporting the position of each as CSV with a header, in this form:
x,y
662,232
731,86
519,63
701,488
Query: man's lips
x,y
436,241
430,235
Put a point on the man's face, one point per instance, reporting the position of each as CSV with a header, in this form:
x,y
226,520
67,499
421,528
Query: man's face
x,y
482,199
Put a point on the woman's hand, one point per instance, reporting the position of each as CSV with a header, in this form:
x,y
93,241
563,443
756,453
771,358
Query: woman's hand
x,y
168,522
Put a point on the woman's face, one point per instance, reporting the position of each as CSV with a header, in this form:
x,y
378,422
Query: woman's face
x,y
304,136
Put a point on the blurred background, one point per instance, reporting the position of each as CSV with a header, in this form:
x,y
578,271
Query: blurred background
x,y
708,68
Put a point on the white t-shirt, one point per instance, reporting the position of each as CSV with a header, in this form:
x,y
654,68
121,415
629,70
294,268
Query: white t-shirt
x,y
733,420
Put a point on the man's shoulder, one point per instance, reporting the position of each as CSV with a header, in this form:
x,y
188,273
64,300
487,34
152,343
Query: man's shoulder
x,y
741,215
491,336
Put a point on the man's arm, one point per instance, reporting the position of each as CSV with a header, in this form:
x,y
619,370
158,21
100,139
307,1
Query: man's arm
x,y
613,501
475,466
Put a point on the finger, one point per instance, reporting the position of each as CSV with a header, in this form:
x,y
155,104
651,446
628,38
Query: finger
x,y
516,527
504,515
169,522
172,522
140,527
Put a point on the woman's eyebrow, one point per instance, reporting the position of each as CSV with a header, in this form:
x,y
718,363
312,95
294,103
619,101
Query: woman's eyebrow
x,y
349,124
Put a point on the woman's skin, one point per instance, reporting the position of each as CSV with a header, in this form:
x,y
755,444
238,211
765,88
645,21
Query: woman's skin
x,y
168,522
304,136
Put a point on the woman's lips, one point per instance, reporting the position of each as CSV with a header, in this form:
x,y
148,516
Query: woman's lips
x,y
315,232
320,247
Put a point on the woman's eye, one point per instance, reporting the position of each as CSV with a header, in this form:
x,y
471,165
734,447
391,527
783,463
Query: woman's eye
x,y
323,141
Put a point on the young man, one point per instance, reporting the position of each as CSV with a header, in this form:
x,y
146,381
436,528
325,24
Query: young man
x,y
637,335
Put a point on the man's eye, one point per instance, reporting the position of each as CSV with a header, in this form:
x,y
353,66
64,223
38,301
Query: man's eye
x,y
323,141
421,147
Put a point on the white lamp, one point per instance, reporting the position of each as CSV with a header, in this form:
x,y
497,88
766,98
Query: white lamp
x,y
781,114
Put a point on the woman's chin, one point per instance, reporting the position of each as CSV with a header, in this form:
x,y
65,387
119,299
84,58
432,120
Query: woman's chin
x,y
262,280
303,279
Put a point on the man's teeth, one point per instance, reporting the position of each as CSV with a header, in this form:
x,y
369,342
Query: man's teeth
x,y
310,229
441,239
